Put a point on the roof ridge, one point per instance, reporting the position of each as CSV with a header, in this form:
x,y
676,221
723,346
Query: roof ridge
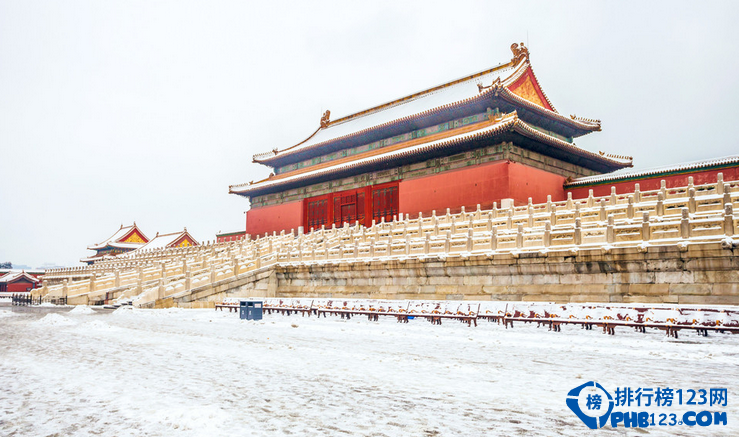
x,y
171,233
515,66
682,166
421,93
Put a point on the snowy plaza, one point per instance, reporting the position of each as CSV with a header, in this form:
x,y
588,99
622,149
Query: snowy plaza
x,y
133,372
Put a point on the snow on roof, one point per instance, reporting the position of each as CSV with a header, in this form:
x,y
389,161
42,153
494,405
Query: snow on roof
x,y
620,175
113,240
508,121
423,101
242,231
14,276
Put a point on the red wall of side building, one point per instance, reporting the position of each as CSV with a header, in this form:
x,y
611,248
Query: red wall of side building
x,y
653,183
482,185
230,237
274,218
18,286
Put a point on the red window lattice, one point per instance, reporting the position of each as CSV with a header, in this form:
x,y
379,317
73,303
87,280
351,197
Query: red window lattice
x,y
384,203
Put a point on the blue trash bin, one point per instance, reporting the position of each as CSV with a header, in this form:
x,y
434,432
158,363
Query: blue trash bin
x,y
250,309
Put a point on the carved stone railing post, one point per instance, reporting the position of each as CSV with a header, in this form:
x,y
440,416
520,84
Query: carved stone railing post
x,y
727,195
630,207
610,231
692,207
519,236
553,215
660,204
614,199
578,232
469,239
637,194
547,234
427,245
602,210
591,199
663,188
448,242
188,280
117,281
489,223
568,205
685,223
729,219
549,203
720,184
236,267
509,220
530,221
494,239
160,289
645,231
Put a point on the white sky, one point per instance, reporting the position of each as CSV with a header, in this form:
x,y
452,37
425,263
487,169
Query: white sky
x,y
118,111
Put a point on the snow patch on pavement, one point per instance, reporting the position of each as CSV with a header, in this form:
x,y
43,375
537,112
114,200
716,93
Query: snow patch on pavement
x,y
54,319
82,309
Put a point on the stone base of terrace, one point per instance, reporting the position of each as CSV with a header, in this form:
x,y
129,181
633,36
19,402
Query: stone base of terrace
x,y
701,274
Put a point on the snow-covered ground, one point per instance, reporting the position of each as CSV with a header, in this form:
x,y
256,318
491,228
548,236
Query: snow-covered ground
x,y
206,373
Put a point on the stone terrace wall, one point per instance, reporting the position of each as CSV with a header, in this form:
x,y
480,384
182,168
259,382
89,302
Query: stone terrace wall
x,y
697,274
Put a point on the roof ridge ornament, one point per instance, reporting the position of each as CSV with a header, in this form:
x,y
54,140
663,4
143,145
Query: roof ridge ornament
x,y
590,120
496,83
611,155
519,52
325,119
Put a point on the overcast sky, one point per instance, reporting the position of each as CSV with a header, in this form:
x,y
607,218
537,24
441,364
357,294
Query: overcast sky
x,y
112,112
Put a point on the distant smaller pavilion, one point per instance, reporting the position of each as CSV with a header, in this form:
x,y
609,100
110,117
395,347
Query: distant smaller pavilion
x,y
167,241
124,240
16,282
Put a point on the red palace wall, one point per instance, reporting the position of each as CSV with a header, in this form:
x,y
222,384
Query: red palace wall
x,y
274,218
653,183
525,182
482,184
466,187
